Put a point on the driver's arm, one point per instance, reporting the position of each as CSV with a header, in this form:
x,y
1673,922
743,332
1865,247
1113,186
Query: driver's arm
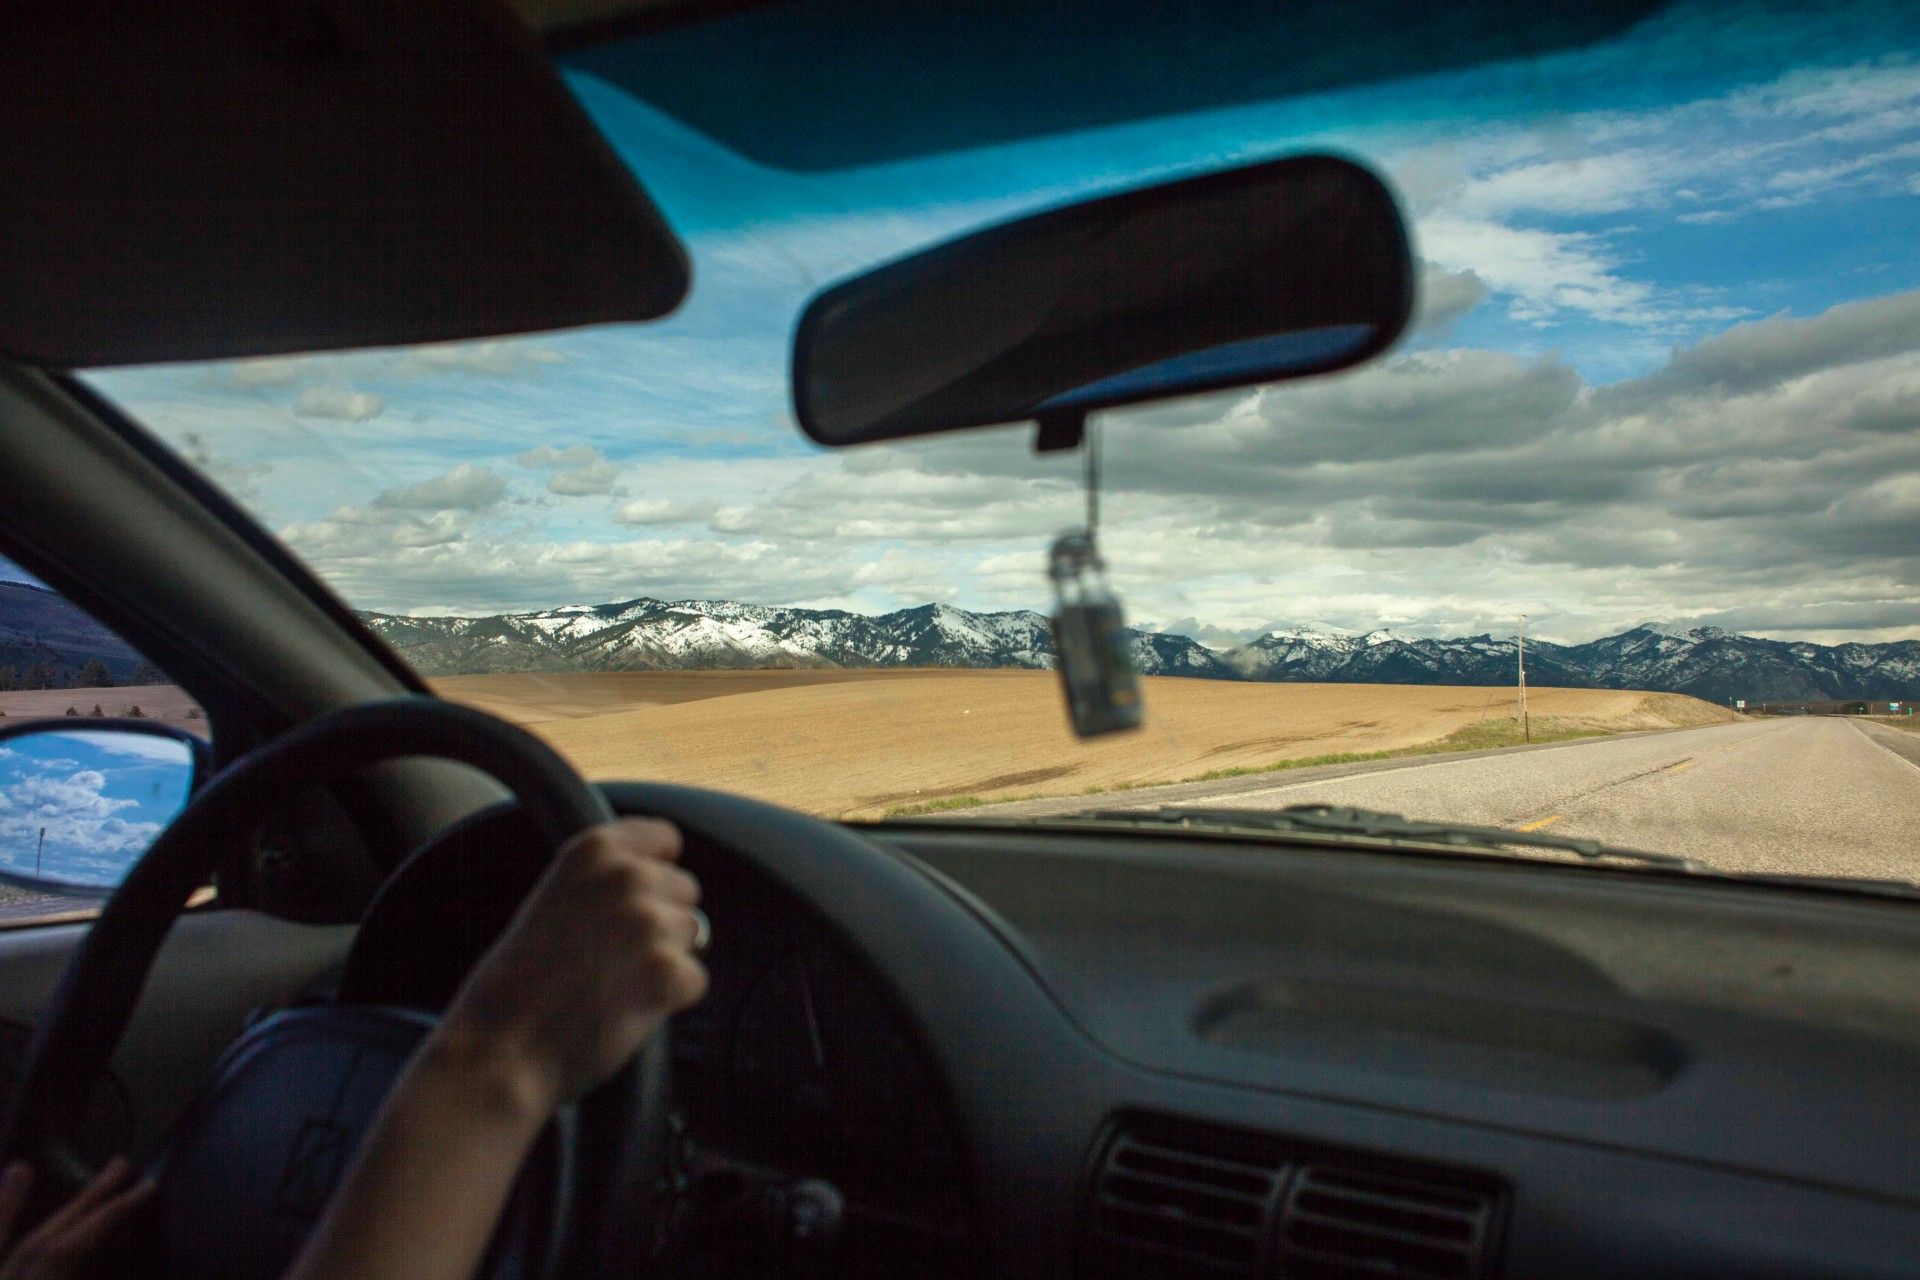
x,y
598,957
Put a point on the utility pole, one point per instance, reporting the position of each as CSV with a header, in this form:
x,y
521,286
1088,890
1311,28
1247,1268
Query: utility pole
x,y
1526,726
36,852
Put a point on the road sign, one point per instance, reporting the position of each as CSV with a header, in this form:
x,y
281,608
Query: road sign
x,y
1739,704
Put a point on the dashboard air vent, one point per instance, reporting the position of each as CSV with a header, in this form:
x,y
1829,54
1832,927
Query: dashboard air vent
x,y
1173,1200
1183,1200
1341,1222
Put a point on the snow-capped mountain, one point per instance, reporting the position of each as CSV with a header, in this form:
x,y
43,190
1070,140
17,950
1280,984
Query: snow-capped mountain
x,y
658,635
1381,657
1706,662
1710,663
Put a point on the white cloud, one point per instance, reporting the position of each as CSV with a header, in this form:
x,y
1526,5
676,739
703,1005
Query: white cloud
x,y
585,470
266,371
355,532
1438,490
134,746
1605,183
339,403
1765,353
497,358
482,575
547,456
651,511
239,479
489,358
66,818
1804,182
1872,98
465,488
1544,272
596,477
1497,201
1549,274
1443,297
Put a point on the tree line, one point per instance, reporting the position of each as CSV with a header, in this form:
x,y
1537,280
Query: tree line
x,y
91,674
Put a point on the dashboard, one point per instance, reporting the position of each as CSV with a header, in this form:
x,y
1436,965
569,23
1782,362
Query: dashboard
x,y
941,1049
1327,1062
799,1069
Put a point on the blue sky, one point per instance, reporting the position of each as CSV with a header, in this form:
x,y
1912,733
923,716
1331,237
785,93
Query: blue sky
x,y
87,803
1608,411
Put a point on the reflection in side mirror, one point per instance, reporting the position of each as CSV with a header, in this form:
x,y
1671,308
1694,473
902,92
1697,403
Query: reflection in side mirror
x,y
78,806
1272,271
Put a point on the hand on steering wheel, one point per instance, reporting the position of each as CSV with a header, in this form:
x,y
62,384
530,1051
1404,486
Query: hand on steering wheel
x,y
598,956
67,1241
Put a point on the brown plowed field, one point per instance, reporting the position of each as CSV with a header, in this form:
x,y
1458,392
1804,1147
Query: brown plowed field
x,y
534,697
855,743
166,702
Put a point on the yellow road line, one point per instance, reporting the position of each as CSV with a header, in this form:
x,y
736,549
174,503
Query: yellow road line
x,y
1544,822
1684,764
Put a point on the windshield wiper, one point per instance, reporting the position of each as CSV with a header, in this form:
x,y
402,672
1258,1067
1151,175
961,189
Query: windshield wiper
x,y
1845,884
1388,828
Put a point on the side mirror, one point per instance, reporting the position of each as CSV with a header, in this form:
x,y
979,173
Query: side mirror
x,y
80,804
1272,271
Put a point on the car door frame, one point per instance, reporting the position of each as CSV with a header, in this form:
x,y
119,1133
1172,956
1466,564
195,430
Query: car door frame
x,y
108,516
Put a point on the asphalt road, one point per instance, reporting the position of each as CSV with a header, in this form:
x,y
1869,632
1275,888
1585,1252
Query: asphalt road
x,y
1813,796
18,905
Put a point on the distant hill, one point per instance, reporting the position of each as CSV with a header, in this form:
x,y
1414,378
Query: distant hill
x,y
658,635
40,632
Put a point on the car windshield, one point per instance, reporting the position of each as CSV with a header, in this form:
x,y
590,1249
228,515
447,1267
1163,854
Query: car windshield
x,y
1656,412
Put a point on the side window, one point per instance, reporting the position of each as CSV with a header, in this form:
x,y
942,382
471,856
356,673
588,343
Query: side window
x,y
97,754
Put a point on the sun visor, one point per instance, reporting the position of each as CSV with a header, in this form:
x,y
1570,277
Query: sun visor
x,y
815,86
204,179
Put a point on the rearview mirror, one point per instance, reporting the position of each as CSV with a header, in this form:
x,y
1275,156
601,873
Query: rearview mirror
x,y
1273,271
78,806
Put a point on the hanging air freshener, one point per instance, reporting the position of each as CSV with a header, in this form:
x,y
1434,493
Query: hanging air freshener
x,y
1089,634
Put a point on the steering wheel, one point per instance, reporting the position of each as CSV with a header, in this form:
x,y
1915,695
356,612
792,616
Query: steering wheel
x,y
358,1048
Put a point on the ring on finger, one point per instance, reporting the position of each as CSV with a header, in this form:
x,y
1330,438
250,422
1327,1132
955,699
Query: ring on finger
x,y
702,931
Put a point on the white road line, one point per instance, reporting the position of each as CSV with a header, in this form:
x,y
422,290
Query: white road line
x,y
1884,747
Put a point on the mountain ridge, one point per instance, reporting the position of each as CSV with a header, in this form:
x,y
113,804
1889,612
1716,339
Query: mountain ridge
x,y
41,630
45,642
648,634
